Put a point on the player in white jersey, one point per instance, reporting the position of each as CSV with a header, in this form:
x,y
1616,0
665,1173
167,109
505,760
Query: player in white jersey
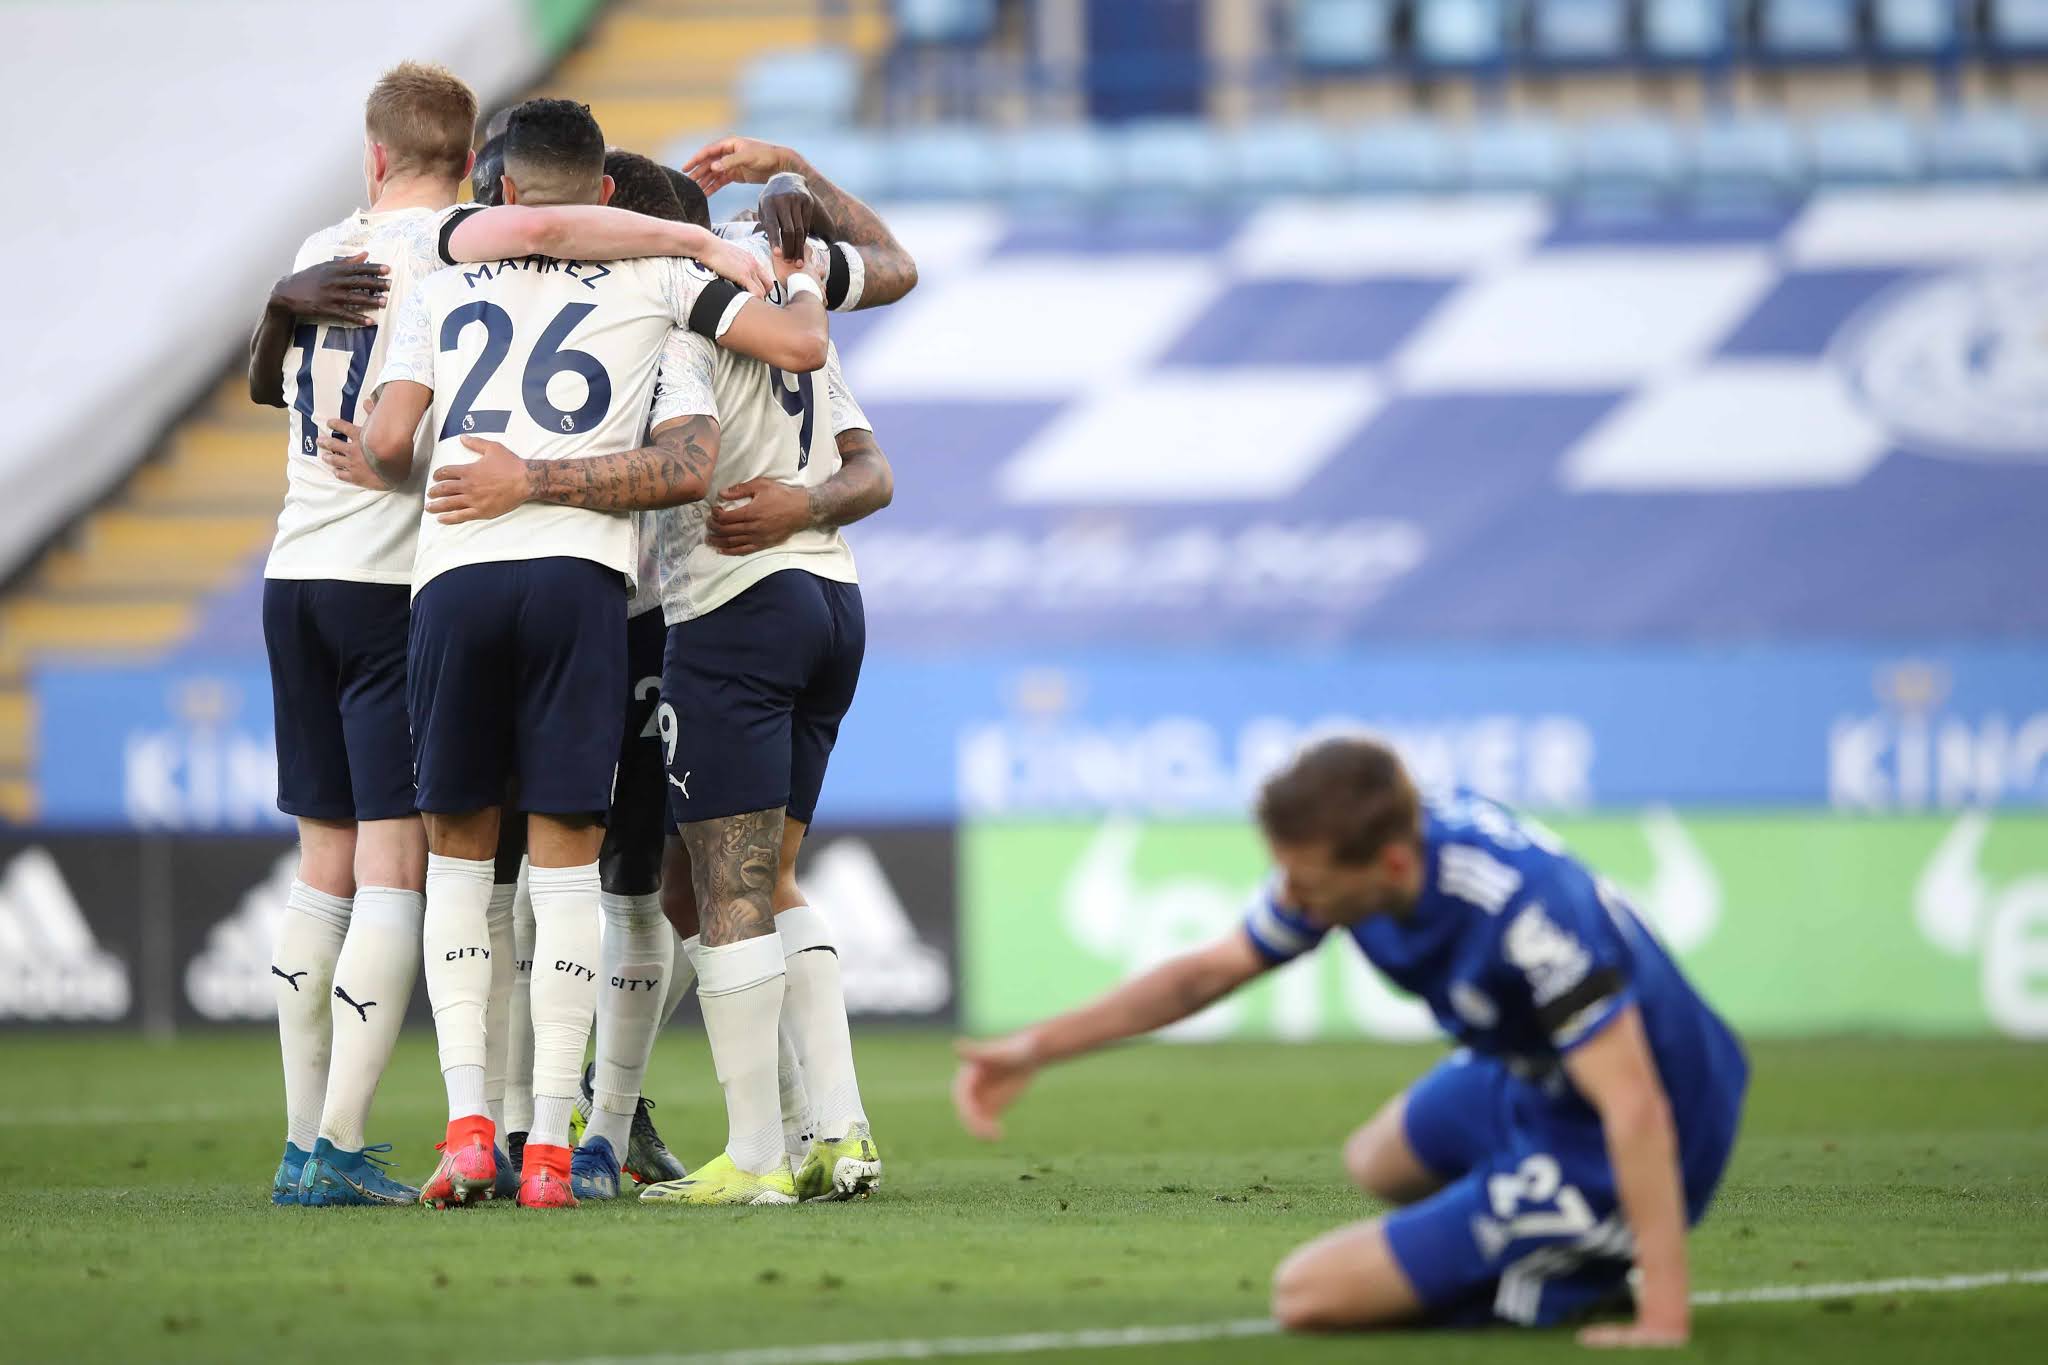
x,y
517,643
763,656
335,615
637,949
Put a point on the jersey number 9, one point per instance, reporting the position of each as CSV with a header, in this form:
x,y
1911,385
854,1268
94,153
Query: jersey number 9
x,y
796,401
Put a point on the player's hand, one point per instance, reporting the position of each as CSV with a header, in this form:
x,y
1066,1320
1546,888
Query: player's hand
x,y
1652,1329
347,290
491,485
341,450
739,265
992,1077
742,160
787,213
757,515
785,266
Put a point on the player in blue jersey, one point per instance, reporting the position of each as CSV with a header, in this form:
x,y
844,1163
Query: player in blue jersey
x,y
1583,1125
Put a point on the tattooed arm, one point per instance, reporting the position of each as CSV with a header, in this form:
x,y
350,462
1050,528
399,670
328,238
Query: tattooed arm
x,y
762,513
888,270
676,468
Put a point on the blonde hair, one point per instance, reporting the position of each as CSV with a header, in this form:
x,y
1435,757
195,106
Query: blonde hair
x,y
424,116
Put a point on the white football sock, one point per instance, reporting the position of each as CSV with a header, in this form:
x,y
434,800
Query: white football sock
x,y
789,1070
564,993
519,1023
302,959
634,955
682,975
550,1121
739,987
372,986
796,1103
457,948
816,1012
498,1008
465,1091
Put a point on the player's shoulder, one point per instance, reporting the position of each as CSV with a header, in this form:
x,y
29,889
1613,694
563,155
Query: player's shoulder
x,y
335,239
437,283
685,349
1487,855
658,276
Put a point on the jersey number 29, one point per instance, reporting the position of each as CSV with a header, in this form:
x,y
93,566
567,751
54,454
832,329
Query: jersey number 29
x,y
548,359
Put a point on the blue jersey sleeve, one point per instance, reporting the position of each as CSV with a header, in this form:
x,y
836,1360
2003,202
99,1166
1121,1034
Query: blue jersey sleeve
x,y
1559,944
1279,934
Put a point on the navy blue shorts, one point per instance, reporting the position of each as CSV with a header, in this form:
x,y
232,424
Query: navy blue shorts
x,y
1456,1116
516,671
337,688
755,691
630,862
1529,1229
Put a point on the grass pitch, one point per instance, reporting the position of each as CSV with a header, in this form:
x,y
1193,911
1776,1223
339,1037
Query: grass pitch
x,y
1158,1185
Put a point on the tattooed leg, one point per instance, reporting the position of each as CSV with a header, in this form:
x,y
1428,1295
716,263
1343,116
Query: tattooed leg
x,y
733,865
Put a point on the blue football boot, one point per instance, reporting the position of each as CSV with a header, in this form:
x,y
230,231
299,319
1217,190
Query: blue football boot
x,y
284,1186
594,1171
335,1177
507,1186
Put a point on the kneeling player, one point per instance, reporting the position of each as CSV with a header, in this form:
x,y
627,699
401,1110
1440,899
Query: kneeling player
x,y
1587,1124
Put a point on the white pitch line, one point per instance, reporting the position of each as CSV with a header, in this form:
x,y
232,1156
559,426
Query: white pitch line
x,y
1103,1338
1916,1284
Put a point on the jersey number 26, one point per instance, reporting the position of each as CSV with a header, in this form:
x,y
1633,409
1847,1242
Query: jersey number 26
x,y
547,359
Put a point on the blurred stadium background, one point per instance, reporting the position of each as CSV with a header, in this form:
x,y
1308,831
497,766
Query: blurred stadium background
x,y
1638,408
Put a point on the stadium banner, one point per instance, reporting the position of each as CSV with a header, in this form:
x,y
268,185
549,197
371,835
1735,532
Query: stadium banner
x,y
1023,735
1359,418
174,748
114,928
72,928
1790,923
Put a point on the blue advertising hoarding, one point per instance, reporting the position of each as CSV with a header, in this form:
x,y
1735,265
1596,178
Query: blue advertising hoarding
x,y
1050,732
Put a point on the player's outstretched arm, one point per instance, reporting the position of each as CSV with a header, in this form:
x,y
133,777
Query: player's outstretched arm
x,y
1618,1077
762,513
993,1074
889,270
348,290
587,232
675,468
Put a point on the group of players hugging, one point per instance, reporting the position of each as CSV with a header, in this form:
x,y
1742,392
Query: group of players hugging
x,y
561,633
562,630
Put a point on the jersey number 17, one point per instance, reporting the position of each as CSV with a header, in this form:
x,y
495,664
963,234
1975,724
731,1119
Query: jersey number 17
x,y
357,342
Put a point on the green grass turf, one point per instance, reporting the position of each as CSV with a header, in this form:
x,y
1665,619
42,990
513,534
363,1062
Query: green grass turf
x,y
1156,1185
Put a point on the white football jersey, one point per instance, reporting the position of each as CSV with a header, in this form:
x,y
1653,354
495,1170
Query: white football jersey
x,y
837,267
331,529
555,359
840,269
770,425
647,569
